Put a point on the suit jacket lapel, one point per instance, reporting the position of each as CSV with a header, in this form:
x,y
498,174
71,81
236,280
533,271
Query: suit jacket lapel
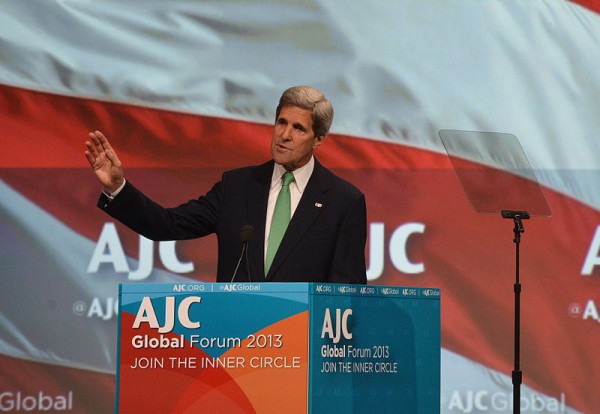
x,y
310,207
257,196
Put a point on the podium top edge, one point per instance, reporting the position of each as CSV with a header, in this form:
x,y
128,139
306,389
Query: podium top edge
x,y
287,287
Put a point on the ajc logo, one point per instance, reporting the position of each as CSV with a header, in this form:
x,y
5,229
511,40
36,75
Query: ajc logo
x,y
146,314
340,328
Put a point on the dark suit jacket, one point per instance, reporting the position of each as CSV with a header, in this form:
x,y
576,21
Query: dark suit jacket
x,y
324,242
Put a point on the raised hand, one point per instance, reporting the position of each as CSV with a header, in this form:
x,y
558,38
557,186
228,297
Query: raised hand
x,y
104,162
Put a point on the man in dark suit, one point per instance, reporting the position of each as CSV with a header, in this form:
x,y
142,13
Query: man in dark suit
x,y
323,241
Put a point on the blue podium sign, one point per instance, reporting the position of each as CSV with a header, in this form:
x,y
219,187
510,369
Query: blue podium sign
x,y
278,347
381,354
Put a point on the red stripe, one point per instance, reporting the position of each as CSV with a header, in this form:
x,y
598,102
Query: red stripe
x,y
593,5
48,131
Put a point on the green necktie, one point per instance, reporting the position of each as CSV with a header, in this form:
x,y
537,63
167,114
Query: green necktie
x,y
281,218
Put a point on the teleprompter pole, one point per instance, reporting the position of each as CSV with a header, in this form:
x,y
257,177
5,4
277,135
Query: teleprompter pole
x,y
517,375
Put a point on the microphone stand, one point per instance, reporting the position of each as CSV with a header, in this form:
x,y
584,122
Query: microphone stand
x,y
246,235
244,250
248,263
517,375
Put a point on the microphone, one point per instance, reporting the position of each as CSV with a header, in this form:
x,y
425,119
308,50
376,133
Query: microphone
x,y
246,235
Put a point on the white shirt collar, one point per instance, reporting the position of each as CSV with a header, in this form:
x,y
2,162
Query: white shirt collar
x,y
301,175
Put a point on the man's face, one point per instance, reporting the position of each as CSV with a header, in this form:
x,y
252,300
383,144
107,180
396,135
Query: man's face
x,y
293,137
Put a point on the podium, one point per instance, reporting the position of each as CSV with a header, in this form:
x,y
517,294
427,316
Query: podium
x,y
278,347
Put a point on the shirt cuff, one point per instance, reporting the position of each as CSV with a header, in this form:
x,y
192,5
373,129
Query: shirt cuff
x,y
112,195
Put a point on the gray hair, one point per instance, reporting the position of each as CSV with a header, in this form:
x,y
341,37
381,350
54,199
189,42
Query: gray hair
x,y
307,97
